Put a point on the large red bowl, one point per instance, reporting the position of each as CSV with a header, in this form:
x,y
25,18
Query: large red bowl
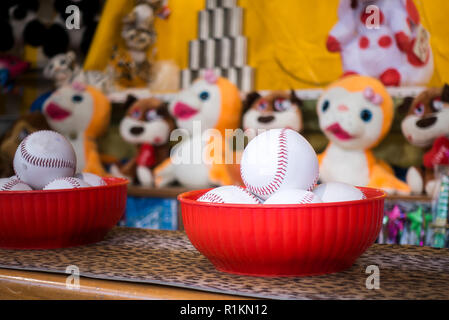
x,y
283,240
60,218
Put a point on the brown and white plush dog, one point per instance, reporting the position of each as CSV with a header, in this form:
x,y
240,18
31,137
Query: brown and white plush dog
x,y
276,110
426,125
147,124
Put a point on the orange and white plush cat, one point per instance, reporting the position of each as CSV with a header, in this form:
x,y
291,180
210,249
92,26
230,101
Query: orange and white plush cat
x,y
355,113
81,113
202,113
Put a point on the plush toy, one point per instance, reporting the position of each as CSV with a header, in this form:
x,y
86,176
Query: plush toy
x,y
275,110
426,125
64,69
382,39
199,159
148,125
81,113
10,141
355,113
10,68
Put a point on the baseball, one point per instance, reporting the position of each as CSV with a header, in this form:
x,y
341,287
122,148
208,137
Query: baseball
x,y
293,196
276,160
42,157
13,184
91,179
229,194
66,183
337,192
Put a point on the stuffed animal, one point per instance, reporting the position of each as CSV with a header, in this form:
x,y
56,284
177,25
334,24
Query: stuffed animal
x,y
355,113
148,125
202,113
275,110
64,69
10,68
81,113
10,141
426,125
382,39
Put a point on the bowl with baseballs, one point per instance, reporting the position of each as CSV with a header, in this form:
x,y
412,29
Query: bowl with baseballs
x,y
281,223
48,205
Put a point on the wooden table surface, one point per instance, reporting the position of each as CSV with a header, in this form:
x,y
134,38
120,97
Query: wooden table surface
x,y
16,284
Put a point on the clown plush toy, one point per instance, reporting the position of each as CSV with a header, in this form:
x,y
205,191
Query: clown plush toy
x,y
80,113
355,113
202,113
382,39
426,125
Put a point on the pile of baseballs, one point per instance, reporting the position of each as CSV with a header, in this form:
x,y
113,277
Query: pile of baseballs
x,y
280,166
46,160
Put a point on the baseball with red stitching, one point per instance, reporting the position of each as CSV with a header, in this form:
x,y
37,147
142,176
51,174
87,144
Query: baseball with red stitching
x,y
293,196
276,160
337,192
91,179
13,184
66,183
229,194
42,157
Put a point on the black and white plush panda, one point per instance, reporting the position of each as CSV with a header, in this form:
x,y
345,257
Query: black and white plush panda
x,y
20,25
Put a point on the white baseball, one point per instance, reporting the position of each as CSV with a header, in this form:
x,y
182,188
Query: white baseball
x,y
13,184
66,183
90,178
338,192
229,194
276,160
42,157
293,196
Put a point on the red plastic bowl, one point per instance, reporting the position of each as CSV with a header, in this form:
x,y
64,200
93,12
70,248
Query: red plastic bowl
x,y
283,240
60,218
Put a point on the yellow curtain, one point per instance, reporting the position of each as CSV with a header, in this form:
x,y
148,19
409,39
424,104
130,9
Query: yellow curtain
x,y
286,39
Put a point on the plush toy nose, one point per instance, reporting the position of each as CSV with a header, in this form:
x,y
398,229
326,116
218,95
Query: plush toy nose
x,y
266,119
136,130
343,108
426,122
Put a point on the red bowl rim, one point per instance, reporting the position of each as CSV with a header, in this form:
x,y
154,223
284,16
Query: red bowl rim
x,y
184,198
111,182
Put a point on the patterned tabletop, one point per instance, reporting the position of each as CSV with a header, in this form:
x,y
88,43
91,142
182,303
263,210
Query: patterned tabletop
x,y
168,258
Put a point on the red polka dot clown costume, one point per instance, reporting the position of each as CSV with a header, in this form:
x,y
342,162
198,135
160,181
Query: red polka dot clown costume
x,y
383,39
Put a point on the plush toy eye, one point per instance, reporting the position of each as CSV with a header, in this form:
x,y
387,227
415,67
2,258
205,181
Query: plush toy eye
x,y
419,110
136,114
366,115
77,98
204,95
282,104
262,106
325,106
437,105
152,115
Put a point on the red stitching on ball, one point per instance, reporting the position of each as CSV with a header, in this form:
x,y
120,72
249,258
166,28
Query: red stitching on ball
x,y
250,194
72,181
42,162
279,177
211,197
10,184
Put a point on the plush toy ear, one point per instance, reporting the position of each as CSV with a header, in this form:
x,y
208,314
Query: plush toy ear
x,y
445,95
250,99
162,110
295,99
354,4
130,99
56,40
34,33
405,106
